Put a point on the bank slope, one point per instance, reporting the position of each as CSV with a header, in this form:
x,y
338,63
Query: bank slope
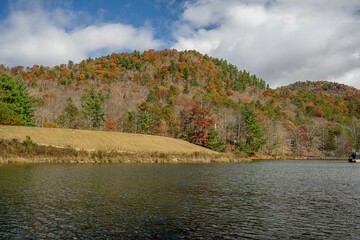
x,y
100,140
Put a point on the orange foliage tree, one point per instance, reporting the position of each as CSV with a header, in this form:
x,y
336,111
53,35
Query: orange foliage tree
x,y
110,123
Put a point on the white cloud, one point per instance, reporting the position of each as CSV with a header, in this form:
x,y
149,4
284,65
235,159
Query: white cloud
x,y
35,35
281,41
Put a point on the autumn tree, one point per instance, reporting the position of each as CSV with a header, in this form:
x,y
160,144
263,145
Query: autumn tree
x,y
198,123
161,128
300,139
110,123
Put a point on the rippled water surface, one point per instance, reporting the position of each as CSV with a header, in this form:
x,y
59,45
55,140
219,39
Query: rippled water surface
x,y
264,199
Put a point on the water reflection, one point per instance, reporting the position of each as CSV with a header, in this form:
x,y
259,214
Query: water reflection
x,y
265,199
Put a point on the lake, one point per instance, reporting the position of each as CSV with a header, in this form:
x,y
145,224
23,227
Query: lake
x,y
258,200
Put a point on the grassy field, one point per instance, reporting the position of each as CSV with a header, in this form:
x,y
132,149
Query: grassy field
x,y
99,140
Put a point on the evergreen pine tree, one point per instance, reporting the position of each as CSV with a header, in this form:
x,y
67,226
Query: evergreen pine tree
x,y
145,122
93,107
71,117
254,138
16,105
214,142
131,123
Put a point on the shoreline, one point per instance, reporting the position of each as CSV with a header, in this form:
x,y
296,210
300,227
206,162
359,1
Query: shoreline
x,y
126,159
304,158
102,157
14,151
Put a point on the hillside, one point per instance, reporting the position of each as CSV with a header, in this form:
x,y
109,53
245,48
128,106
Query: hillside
x,y
332,101
190,96
99,140
319,118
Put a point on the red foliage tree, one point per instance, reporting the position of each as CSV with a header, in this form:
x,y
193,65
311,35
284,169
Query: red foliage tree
x,y
303,132
199,123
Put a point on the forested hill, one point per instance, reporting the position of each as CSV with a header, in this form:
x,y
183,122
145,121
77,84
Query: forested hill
x,y
332,101
185,95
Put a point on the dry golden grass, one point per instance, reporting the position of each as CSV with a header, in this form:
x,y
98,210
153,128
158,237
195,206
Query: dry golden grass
x,y
99,140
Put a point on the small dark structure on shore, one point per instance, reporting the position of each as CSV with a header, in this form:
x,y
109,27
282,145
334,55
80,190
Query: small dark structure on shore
x,y
355,157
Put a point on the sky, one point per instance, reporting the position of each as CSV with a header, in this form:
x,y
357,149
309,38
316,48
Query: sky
x,y
281,41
